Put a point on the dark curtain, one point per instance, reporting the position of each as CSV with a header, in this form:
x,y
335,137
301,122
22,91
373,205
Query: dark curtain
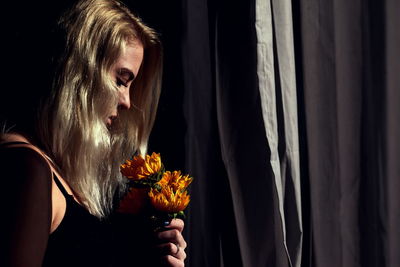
x,y
347,56
214,128
210,123
347,66
348,62
234,217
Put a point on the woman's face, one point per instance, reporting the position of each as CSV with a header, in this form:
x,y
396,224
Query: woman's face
x,y
123,72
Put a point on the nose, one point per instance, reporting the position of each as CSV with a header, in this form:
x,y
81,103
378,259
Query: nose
x,y
124,101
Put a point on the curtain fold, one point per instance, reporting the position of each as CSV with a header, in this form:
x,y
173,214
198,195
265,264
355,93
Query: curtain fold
x,y
245,98
202,154
235,198
351,100
277,85
392,114
243,143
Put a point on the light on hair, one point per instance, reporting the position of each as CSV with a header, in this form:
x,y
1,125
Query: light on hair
x,y
71,124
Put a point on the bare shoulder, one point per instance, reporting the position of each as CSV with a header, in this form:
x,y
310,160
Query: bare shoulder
x,y
24,164
12,137
19,158
28,174
26,177
25,201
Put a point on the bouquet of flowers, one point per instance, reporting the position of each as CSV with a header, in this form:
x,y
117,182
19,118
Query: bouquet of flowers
x,y
154,191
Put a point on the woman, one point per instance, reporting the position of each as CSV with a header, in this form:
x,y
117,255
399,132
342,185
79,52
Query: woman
x,y
62,174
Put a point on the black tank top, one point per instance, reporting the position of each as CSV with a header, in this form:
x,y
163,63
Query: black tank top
x,y
81,239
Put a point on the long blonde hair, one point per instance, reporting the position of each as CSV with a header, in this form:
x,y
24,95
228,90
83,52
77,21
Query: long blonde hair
x,y
71,125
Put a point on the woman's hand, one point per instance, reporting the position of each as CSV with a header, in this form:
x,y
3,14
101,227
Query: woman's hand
x,y
172,244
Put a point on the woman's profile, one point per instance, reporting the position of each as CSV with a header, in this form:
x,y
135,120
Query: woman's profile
x,y
60,165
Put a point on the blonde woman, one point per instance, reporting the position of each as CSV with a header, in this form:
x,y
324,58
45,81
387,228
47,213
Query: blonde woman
x,y
63,175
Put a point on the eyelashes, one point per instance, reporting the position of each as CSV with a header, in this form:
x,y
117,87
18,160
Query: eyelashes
x,y
120,83
123,77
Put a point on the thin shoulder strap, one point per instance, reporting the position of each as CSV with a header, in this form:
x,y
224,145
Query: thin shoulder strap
x,y
61,187
28,145
54,172
6,144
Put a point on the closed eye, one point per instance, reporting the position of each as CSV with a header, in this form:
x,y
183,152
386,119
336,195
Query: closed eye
x,y
119,82
126,74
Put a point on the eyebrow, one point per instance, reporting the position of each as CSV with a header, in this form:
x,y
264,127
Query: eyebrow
x,y
126,74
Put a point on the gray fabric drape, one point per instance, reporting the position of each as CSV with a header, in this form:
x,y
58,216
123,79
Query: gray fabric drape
x,y
277,85
348,108
235,197
392,134
350,73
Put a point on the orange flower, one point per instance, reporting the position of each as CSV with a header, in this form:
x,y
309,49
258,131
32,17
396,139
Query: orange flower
x,y
139,168
135,201
174,179
169,201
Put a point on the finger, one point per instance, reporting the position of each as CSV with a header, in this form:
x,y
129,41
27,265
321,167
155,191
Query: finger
x,y
172,249
176,224
169,260
173,236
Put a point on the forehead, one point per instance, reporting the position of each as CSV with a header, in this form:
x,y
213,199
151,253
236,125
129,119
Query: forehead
x,y
131,57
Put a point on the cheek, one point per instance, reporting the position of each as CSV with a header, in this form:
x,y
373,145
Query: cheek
x,y
107,106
